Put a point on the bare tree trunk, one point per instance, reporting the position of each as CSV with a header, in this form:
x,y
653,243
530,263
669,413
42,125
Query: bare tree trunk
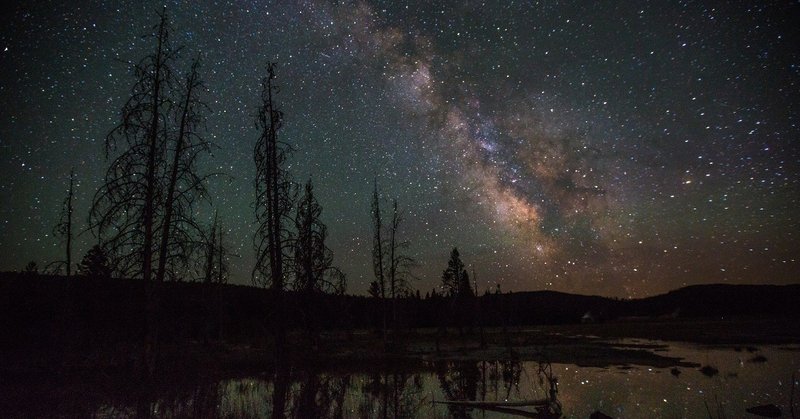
x,y
220,277
377,255
63,229
169,204
273,201
478,308
211,252
69,222
151,328
393,267
276,246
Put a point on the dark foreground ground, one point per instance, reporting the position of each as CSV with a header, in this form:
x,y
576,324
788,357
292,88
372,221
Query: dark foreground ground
x,y
601,344
54,325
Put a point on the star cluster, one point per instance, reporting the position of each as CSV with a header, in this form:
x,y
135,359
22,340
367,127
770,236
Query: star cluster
x,y
621,148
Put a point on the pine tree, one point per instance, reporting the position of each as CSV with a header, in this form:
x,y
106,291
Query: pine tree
x,y
313,260
455,280
95,264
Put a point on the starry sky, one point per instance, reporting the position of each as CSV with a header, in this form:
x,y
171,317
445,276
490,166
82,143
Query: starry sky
x,y
620,148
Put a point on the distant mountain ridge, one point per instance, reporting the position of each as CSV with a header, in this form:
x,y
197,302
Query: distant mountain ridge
x,y
695,301
243,304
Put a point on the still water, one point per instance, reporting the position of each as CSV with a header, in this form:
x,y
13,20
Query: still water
x,y
711,382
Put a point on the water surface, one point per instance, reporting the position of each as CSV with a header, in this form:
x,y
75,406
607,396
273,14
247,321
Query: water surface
x,y
709,381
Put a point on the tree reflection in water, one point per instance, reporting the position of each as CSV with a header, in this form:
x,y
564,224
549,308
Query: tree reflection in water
x,y
495,386
311,394
319,396
394,394
383,392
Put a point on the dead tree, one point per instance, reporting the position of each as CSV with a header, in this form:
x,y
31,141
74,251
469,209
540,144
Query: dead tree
x,y
215,270
143,212
123,210
211,252
64,227
400,263
378,254
275,196
178,228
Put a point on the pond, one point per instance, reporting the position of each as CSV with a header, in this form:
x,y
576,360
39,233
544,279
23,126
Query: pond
x,y
706,381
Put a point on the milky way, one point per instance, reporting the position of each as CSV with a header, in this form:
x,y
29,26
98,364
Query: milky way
x,y
621,149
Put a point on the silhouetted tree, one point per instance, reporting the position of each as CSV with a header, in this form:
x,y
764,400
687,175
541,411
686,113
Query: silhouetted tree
x,y
374,289
210,252
455,280
143,212
378,253
31,268
215,273
125,208
63,229
215,268
313,270
275,194
95,264
456,286
313,260
274,201
390,261
399,263
180,232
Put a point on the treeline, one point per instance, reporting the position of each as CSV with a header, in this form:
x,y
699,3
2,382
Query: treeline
x,y
58,312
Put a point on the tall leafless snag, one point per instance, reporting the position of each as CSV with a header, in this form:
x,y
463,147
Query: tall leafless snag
x,y
390,260
215,272
273,238
378,254
275,194
144,212
400,263
64,228
215,268
125,207
211,252
180,233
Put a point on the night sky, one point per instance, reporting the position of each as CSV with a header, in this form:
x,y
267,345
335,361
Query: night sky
x,y
623,148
